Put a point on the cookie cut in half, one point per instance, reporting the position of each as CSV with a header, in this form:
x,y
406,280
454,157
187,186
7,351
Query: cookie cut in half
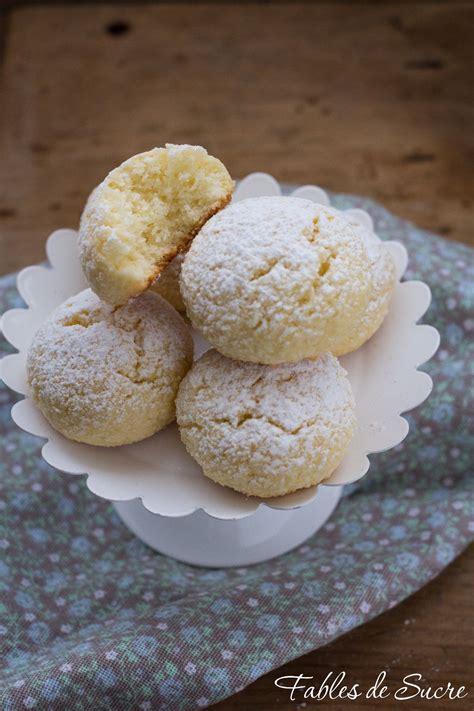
x,y
144,213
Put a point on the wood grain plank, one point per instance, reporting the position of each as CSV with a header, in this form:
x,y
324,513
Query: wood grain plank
x,y
365,99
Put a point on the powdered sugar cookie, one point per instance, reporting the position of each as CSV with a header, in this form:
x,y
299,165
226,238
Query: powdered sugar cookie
x,y
276,279
266,431
144,213
109,376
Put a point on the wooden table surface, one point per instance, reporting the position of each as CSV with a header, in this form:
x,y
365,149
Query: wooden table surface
x,y
372,99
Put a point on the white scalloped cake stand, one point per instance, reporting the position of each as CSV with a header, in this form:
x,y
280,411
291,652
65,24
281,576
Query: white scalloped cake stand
x,y
159,491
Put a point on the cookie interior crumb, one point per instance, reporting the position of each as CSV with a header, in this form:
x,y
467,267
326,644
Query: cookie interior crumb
x,y
144,213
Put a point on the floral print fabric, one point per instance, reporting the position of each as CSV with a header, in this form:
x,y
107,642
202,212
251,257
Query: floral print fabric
x,y
92,618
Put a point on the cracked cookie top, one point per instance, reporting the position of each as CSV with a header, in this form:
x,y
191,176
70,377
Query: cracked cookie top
x,y
277,279
266,431
109,375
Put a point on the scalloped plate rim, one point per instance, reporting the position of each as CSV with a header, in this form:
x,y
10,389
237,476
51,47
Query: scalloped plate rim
x,y
21,282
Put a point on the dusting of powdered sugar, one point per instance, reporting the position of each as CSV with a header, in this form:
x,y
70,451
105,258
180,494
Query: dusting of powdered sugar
x,y
278,428
275,279
104,374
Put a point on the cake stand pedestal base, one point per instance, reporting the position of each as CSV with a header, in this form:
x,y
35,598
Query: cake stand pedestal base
x,y
199,539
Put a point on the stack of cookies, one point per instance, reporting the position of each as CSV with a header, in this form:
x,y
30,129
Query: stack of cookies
x,y
279,287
